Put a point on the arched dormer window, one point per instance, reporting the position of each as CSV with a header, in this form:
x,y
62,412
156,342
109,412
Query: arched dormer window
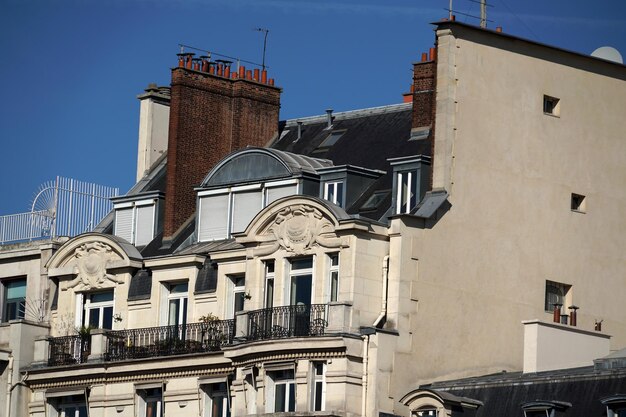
x,y
615,405
247,181
543,408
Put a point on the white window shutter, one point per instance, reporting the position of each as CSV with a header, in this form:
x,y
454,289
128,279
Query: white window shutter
x,y
245,206
124,223
213,218
144,232
274,193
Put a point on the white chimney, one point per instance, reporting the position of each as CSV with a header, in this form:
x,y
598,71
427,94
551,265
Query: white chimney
x,y
154,117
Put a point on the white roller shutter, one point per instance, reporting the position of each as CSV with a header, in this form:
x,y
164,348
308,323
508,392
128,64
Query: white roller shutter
x,y
245,206
213,219
274,193
124,223
144,225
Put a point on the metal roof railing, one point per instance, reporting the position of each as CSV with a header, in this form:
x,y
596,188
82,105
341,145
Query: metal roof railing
x,y
61,207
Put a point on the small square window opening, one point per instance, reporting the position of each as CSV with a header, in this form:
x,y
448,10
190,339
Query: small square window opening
x,y
578,203
551,105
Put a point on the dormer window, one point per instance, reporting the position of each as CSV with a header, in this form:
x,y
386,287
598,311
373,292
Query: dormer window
x,y
333,192
541,408
615,405
137,217
410,182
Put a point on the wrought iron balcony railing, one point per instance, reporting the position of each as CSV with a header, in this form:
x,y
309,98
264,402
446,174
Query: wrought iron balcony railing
x,y
169,340
264,324
287,321
68,350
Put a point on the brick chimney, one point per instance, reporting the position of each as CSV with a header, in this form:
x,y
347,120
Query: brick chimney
x,y
423,89
213,112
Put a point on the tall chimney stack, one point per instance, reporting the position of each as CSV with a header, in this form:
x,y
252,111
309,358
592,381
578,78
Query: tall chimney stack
x,y
211,116
424,78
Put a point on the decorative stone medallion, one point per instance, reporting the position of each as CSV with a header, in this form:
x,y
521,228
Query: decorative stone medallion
x,y
90,269
297,228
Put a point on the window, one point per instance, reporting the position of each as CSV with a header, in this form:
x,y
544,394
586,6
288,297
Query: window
x,y
69,406
428,412
333,275
282,391
331,139
177,303
239,293
556,293
98,310
14,299
551,105
216,402
318,386
578,203
375,200
222,212
333,192
301,279
541,408
615,405
150,402
406,197
269,284
135,221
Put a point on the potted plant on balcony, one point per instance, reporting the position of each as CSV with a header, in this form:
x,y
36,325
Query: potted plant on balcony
x,y
212,336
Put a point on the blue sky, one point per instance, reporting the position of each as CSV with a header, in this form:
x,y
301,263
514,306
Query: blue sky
x,y
72,69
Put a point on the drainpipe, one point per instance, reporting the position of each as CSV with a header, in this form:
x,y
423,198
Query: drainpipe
x,y
366,341
7,413
383,309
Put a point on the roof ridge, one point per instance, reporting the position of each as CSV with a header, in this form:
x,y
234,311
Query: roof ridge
x,y
350,114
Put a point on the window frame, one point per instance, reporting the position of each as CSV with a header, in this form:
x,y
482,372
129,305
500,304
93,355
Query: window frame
x,y
406,197
143,397
237,291
270,277
281,378
551,106
134,207
333,276
208,400
100,306
181,298
20,311
334,192
578,203
302,272
317,378
564,297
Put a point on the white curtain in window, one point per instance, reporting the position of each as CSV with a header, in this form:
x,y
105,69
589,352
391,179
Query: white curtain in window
x,y
124,223
213,220
274,193
245,206
144,225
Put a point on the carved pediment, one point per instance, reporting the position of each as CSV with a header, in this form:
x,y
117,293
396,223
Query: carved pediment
x,y
297,228
90,260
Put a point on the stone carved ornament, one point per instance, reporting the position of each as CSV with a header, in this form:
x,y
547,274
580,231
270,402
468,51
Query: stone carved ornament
x,y
90,268
298,228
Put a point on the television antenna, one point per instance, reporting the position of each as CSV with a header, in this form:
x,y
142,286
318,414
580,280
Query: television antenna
x,y
266,31
483,12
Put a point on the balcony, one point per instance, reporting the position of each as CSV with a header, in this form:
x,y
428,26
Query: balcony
x,y
210,336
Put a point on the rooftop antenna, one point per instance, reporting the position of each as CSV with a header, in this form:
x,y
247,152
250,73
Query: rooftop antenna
x,y
450,10
264,43
483,13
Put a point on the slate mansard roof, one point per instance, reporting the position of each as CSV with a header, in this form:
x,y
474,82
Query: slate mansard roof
x,y
504,393
367,138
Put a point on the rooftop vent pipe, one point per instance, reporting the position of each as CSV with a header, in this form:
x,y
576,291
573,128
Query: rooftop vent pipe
x,y
299,129
329,118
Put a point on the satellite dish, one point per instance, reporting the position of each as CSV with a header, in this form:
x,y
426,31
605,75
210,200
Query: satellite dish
x,y
608,53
